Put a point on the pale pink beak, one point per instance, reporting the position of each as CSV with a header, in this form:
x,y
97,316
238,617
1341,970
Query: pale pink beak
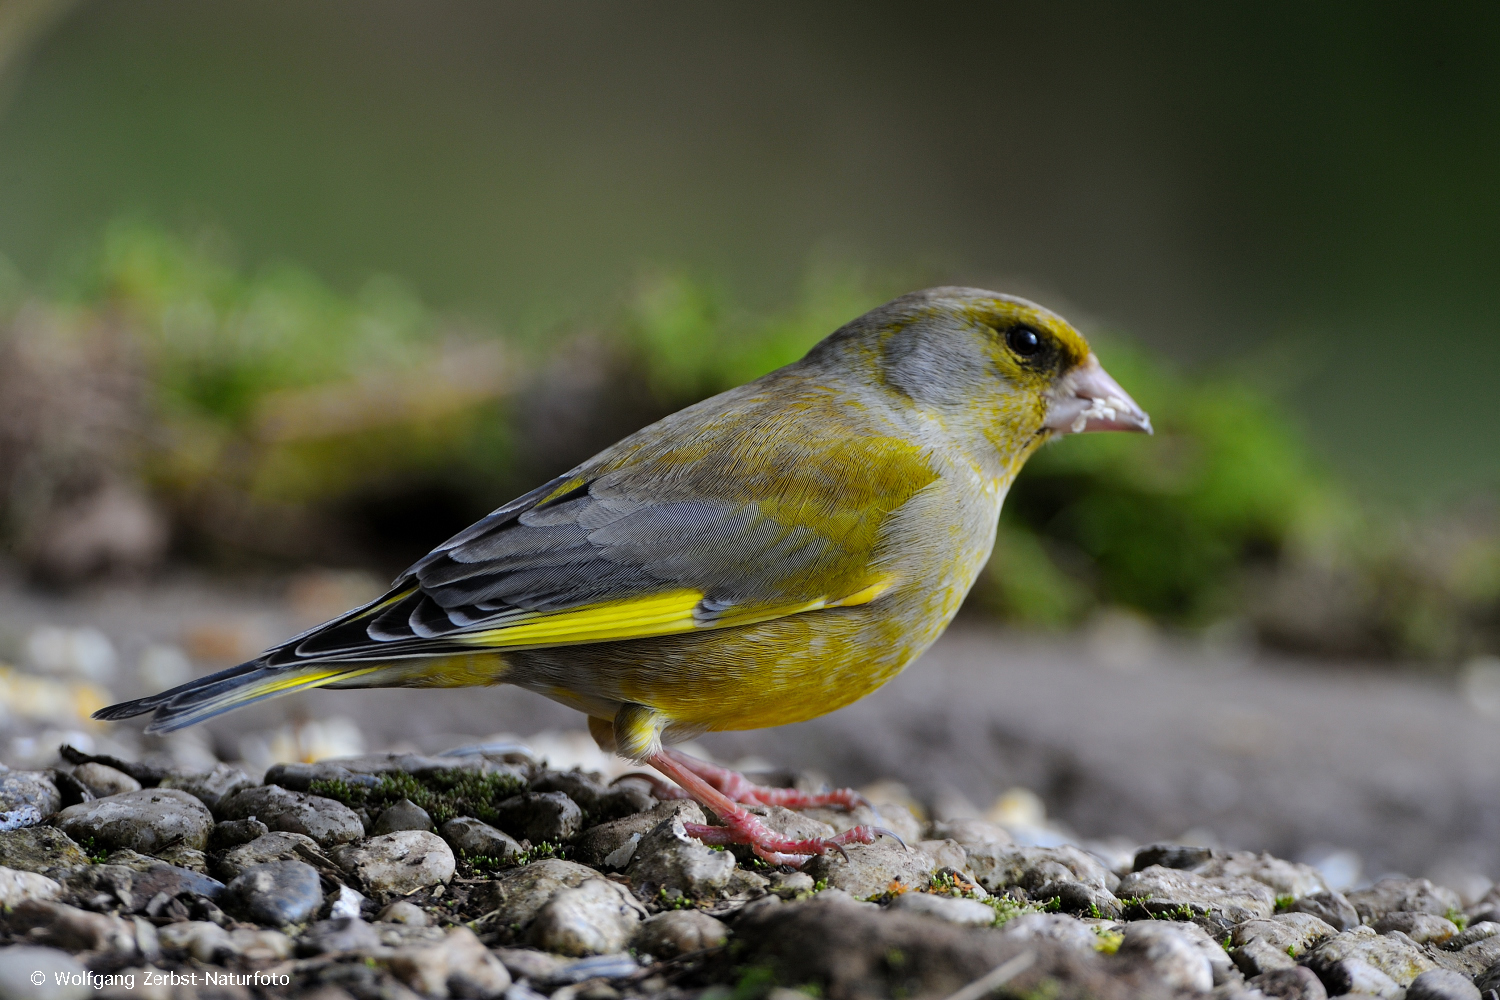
x,y
1087,399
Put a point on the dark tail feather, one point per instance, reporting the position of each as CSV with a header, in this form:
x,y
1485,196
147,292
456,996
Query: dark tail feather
x,y
206,697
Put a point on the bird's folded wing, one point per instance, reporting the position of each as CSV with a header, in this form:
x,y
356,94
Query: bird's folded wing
x,y
582,560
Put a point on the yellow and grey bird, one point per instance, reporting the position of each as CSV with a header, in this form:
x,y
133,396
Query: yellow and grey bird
x,y
766,556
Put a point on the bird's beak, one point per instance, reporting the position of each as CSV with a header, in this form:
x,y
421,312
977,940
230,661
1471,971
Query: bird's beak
x,y
1087,399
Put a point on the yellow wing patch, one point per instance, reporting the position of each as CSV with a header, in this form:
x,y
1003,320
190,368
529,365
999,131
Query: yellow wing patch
x,y
646,617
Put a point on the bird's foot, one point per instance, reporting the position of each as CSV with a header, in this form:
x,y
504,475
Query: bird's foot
x,y
741,789
742,826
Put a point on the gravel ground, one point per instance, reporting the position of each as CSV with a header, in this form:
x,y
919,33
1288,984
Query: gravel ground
x,y
1121,734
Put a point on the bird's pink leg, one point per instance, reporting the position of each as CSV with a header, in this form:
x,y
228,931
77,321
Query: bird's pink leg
x,y
742,826
741,789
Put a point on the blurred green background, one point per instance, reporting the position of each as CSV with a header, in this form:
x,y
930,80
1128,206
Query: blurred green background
x,y
287,283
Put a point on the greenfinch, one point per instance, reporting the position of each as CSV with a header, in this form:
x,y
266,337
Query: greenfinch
x,y
762,557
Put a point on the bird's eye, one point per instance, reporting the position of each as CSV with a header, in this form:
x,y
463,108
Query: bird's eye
x,y
1024,341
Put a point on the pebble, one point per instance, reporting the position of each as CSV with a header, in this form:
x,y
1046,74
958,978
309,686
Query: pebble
x,y
514,897
276,893
26,798
595,918
459,966
972,833
346,902
599,843
893,817
269,847
1391,895
473,838
102,780
403,815
790,885
1167,891
39,849
402,912
19,962
1488,980
172,880
146,821
1286,878
210,787
1293,983
871,868
1067,931
328,822
1423,928
679,932
18,886
963,912
1031,868
1276,942
259,946
1442,984
616,966
1362,960
342,934
540,817
667,859
599,802
63,926
1330,907
234,832
399,862
1172,955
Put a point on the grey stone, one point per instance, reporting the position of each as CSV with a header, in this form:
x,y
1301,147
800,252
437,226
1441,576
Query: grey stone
x,y
1442,984
678,932
200,939
183,856
18,963
394,935
600,803
101,887
597,844
1488,980
969,833
595,918
402,912
341,934
1276,942
172,880
955,910
1391,895
366,768
398,862
26,798
324,820
1472,958
540,817
1059,927
473,838
790,885
147,821
1286,878
1294,983
529,963
61,926
1179,856
1331,908
789,823
210,787
103,780
668,859
277,893
234,832
1174,957
1472,934
998,868
1345,963
40,848
1423,928
459,966
513,898
259,946
895,818
1080,899
614,966
872,868
18,886
403,815
271,847
1170,892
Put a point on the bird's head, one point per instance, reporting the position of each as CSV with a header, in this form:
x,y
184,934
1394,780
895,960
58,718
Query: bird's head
x,y
987,367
